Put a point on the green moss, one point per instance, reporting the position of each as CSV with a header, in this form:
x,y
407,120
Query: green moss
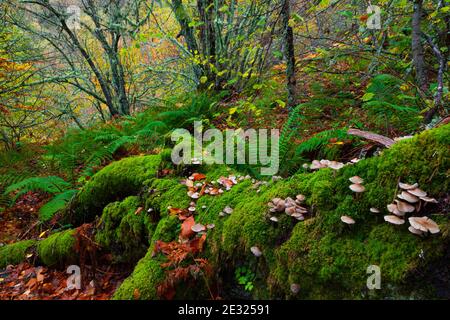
x,y
58,249
114,182
327,258
143,282
15,253
123,232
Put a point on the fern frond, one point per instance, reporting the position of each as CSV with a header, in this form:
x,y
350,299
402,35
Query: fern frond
x,y
51,184
57,203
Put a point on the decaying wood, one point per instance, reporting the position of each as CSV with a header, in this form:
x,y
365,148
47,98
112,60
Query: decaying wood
x,y
385,141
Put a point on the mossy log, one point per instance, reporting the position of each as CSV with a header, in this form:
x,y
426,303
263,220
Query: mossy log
x,y
324,257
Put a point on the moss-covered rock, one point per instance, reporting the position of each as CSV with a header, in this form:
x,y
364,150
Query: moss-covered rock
x,y
15,253
327,258
58,249
123,232
113,183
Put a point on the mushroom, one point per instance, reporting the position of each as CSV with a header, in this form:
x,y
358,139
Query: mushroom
x,y
405,195
347,220
357,188
222,214
203,207
393,208
295,288
298,216
356,180
290,210
428,199
228,210
406,186
256,251
418,192
335,165
315,165
424,224
394,219
300,198
191,209
415,231
404,207
274,219
210,226
198,227
374,210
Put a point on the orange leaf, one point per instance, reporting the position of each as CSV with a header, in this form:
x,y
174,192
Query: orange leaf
x,y
198,176
186,231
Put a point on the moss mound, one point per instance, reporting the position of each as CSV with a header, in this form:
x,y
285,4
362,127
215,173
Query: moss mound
x,y
124,231
58,249
113,183
15,253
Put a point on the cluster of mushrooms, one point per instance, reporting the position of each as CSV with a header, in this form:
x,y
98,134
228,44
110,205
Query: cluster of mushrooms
x,y
197,189
410,200
290,206
335,165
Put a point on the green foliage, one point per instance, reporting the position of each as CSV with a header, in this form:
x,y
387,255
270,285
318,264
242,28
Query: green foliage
x,y
320,143
385,101
245,277
57,203
50,184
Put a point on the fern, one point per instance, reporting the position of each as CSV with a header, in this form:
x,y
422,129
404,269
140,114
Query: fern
x,y
57,203
321,139
50,184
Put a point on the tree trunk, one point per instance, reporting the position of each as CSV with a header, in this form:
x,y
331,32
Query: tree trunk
x,y
417,47
289,54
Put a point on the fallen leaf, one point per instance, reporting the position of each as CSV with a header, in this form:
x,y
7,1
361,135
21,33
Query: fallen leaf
x,y
186,231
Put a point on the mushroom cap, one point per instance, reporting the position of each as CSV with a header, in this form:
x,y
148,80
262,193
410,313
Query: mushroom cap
x,y
357,188
295,288
418,192
211,226
374,210
289,210
394,219
325,162
335,165
415,231
424,224
315,164
347,220
198,227
405,195
298,216
393,208
406,186
191,209
404,207
356,180
428,199
228,210
256,251
274,219
204,207
300,197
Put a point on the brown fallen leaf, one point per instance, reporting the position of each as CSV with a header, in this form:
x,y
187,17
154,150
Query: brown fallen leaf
x,y
186,231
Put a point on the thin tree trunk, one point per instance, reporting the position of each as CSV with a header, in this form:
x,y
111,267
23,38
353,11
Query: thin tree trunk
x,y
289,54
417,47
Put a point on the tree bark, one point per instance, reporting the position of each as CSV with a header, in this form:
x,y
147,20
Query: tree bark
x,y
417,47
289,54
